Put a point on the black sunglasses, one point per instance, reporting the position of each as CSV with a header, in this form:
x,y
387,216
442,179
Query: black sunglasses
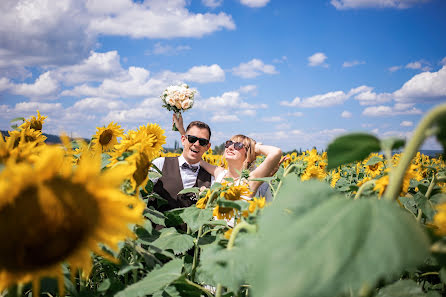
x,y
201,141
237,145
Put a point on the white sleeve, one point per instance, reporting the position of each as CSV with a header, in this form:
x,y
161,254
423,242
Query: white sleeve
x,y
159,163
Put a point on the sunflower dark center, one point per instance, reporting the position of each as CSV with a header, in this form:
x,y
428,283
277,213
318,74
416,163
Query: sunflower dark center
x,y
36,125
106,137
44,228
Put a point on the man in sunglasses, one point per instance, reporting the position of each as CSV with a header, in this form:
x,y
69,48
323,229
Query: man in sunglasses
x,y
183,172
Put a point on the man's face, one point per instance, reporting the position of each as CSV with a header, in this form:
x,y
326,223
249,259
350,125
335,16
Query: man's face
x,y
193,152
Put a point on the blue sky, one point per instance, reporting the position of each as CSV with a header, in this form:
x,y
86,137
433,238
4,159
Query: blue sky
x,y
290,73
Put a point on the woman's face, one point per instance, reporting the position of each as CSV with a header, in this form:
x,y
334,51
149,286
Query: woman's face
x,y
235,151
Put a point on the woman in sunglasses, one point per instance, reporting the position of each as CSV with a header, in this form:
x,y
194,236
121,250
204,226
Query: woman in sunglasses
x,y
240,153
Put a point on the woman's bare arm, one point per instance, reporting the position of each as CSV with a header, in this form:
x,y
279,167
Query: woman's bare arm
x,y
212,169
273,155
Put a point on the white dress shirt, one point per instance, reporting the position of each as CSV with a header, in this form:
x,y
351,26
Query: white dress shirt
x,y
187,176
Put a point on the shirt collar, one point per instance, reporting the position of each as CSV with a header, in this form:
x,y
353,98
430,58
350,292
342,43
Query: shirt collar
x,y
181,161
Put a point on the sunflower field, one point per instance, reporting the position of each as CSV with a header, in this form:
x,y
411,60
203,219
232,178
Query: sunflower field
x,y
356,220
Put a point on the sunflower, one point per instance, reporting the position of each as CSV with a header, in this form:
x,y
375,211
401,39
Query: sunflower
x,y
35,123
52,214
146,140
440,219
255,203
381,185
375,169
236,192
222,213
106,137
27,135
201,203
139,169
21,152
313,172
334,178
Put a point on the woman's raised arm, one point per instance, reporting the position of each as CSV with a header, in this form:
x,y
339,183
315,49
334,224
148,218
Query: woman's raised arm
x,y
273,155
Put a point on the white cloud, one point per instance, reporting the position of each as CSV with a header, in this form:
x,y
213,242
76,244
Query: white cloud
x,y
296,114
228,100
419,65
96,67
45,87
253,68
248,89
98,105
224,118
397,109
166,49
212,3
203,74
346,114
317,59
324,100
371,98
47,33
352,63
425,86
349,4
137,82
5,84
155,19
394,68
406,124
443,61
283,59
272,119
254,3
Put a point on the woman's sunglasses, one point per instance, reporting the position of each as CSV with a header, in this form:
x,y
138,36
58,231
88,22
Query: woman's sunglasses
x,y
201,141
237,145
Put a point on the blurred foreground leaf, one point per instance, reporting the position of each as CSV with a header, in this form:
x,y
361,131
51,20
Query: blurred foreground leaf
x,y
171,239
350,148
328,244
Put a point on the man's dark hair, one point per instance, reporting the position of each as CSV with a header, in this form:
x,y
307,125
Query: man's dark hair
x,y
200,125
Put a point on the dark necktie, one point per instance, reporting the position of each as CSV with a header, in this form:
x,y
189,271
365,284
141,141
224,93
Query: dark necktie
x,y
189,167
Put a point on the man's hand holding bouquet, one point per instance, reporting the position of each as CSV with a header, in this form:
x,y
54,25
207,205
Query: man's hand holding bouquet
x,y
178,98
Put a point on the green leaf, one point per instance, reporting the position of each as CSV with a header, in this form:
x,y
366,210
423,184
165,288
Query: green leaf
x,y
173,217
190,190
170,291
195,217
392,143
155,216
350,148
153,175
105,160
237,204
425,205
17,119
104,285
154,281
128,268
327,245
171,239
230,268
373,160
402,288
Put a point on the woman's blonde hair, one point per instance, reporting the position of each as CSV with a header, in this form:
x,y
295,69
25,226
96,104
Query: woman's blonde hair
x,y
250,146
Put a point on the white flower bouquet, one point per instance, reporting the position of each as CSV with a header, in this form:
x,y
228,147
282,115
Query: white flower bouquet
x,y
178,98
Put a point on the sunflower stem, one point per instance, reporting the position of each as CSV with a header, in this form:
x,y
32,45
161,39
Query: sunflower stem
x,y
397,175
363,187
287,171
428,194
200,232
240,226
